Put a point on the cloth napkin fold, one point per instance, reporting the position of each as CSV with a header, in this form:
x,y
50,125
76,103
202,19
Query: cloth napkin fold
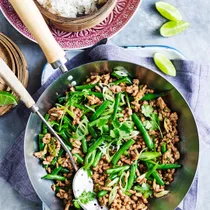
x,y
190,80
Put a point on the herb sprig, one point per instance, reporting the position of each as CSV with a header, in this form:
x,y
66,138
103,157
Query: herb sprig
x,y
154,122
84,198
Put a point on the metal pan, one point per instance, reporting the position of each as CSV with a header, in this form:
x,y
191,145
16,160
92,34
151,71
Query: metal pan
x,y
189,144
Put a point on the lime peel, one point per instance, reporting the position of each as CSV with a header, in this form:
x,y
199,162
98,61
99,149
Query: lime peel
x,y
168,11
164,64
172,28
7,98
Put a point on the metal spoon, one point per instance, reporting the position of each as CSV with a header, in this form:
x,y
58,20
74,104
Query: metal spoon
x,y
81,180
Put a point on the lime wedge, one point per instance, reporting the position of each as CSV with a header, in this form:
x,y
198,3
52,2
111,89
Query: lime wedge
x,y
164,64
172,28
168,11
7,99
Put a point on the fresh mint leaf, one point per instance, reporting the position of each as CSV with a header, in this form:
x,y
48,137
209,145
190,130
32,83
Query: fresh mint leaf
x,y
147,110
84,198
145,189
148,125
154,117
154,122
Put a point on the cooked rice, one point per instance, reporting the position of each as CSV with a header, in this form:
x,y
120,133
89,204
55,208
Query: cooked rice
x,y
69,8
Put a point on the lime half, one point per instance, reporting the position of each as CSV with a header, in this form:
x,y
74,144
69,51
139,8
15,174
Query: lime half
x,y
164,64
172,28
168,11
7,99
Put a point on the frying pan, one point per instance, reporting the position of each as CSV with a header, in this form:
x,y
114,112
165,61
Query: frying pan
x,y
189,144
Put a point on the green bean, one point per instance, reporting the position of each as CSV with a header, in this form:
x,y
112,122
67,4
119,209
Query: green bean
x,y
132,176
92,132
116,105
149,155
125,80
81,107
80,93
57,188
102,193
79,158
121,151
82,87
64,170
97,158
97,94
100,110
152,170
96,144
156,175
117,169
69,122
163,147
55,159
45,166
84,145
54,177
168,166
64,137
143,131
89,159
113,176
41,143
56,170
44,127
68,147
151,96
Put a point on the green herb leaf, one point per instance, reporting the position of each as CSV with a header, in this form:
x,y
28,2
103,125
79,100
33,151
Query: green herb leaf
x,y
85,197
144,189
147,110
154,122
148,125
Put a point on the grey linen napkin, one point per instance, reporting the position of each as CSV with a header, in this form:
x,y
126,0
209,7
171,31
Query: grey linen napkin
x,y
191,80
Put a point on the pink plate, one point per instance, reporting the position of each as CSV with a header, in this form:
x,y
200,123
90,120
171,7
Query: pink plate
x,y
120,16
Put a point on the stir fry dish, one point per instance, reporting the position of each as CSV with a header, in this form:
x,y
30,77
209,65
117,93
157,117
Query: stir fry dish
x,y
121,132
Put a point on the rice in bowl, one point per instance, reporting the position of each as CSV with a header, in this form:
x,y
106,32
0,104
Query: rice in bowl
x,y
72,8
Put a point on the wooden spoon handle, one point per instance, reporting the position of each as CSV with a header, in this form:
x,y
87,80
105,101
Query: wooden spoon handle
x,y
33,20
10,78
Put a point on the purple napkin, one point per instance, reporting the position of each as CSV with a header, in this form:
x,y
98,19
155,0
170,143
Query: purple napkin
x,y
190,80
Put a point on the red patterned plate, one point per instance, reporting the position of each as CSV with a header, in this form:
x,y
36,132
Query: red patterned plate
x,y
120,16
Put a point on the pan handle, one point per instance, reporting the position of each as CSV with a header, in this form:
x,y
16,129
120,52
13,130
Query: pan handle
x,y
15,84
33,20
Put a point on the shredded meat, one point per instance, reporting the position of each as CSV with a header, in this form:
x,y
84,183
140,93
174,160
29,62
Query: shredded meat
x,y
47,138
161,103
56,113
93,100
115,89
77,115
